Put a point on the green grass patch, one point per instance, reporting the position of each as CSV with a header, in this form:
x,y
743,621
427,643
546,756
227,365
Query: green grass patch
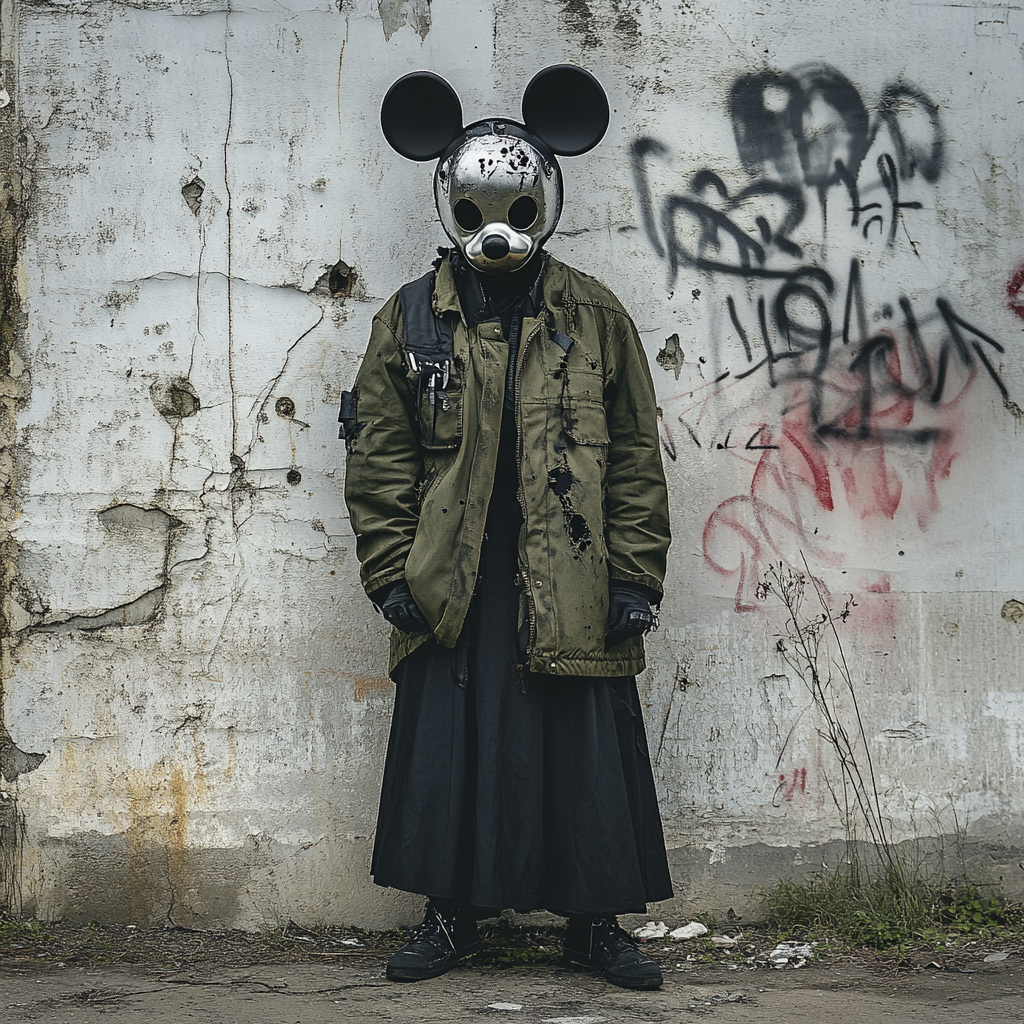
x,y
16,933
887,911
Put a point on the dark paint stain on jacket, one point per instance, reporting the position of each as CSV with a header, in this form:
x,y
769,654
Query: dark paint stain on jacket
x,y
560,480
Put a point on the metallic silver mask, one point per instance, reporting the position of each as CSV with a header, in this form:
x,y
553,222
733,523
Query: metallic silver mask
x,y
497,185
499,199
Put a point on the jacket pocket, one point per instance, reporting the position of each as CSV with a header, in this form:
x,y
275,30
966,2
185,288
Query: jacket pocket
x,y
441,419
438,397
584,420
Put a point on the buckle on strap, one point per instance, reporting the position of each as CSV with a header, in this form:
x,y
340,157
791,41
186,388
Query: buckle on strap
x,y
433,375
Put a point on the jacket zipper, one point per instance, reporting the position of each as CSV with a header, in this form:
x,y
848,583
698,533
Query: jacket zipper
x,y
515,330
526,575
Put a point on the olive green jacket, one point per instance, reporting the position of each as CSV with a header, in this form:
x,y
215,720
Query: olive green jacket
x,y
591,485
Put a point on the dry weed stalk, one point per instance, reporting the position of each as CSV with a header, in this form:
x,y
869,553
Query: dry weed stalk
x,y
809,643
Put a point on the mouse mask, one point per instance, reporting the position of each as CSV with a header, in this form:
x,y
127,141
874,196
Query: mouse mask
x,y
497,184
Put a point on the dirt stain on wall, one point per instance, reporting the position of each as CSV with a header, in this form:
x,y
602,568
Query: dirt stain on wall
x,y
13,395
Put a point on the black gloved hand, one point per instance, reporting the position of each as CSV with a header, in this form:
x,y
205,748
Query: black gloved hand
x,y
629,613
401,610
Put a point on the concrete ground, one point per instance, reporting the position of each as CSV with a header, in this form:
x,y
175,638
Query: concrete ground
x,y
342,989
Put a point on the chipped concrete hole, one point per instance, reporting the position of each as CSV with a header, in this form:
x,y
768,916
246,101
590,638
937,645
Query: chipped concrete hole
x,y
192,193
671,357
131,518
336,285
175,398
340,279
285,408
1013,610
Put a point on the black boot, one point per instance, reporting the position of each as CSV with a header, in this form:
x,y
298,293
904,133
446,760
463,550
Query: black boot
x,y
448,933
600,943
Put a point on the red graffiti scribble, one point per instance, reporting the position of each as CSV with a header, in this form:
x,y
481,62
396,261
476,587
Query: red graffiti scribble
x,y
1014,294
819,471
791,785
749,530
886,450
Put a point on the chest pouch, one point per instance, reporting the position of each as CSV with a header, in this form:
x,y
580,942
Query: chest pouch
x,y
431,397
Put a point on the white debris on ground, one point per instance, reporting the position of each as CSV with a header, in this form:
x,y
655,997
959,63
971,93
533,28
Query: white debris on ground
x,y
785,954
651,930
995,958
504,1006
658,930
797,953
351,942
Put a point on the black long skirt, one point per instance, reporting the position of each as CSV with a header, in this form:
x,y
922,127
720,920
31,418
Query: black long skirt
x,y
516,791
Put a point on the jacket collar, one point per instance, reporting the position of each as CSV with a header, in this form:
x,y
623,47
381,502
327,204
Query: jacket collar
x,y
546,290
446,295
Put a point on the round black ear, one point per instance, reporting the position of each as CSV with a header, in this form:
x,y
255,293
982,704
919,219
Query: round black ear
x,y
566,108
421,115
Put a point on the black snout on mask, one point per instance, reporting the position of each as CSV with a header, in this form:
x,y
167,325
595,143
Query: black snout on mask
x,y
495,247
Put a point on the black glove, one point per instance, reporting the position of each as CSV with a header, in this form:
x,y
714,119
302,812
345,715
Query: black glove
x,y
629,613
401,610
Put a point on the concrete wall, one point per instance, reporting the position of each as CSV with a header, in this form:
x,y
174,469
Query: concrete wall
x,y
815,219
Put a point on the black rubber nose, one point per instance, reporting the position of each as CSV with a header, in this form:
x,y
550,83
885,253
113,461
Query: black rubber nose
x,y
495,247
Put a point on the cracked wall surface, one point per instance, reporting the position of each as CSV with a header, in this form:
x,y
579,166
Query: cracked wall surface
x,y
200,218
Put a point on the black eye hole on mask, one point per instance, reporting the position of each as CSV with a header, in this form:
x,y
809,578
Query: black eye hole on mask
x,y
522,213
467,215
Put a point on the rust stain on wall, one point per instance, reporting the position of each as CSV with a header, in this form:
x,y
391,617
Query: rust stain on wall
x,y
159,863
363,686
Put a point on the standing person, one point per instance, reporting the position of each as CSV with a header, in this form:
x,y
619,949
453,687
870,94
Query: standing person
x,y
505,486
